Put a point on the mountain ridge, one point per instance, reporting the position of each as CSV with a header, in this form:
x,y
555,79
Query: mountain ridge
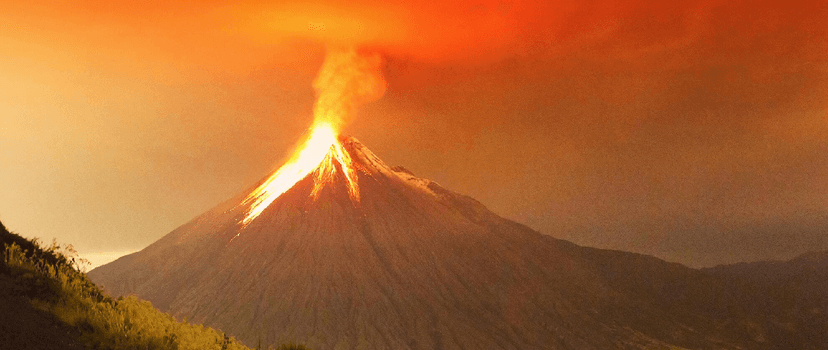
x,y
413,265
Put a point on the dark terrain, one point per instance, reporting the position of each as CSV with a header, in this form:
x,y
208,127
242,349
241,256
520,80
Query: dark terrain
x,y
22,325
47,303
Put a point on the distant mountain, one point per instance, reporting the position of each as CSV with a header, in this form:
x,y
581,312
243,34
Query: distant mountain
x,y
763,305
411,265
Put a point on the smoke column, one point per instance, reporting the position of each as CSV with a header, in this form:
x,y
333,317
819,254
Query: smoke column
x,y
346,80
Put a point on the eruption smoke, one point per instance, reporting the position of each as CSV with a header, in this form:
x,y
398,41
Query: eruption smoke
x,y
346,80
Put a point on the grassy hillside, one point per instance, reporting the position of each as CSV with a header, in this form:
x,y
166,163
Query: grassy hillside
x,y
46,302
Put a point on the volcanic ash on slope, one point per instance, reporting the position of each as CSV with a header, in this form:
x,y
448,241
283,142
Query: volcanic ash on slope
x,y
409,265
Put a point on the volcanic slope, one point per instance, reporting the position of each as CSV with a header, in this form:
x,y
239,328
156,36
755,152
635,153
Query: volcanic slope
x,y
412,265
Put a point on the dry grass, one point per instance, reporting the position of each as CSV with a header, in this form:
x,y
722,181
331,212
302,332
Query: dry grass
x,y
51,278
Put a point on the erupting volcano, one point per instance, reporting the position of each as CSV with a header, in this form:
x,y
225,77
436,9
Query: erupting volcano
x,y
337,250
346,80
412,265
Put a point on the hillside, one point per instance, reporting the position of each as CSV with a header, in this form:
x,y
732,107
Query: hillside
x,y
761,305
412,265
47,303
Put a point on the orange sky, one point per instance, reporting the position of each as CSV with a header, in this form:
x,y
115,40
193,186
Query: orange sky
x,y
694,131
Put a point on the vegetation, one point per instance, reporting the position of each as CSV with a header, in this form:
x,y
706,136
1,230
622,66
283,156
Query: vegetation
x,y
50,278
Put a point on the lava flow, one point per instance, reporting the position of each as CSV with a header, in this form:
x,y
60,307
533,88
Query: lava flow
x,y
346,80
317,155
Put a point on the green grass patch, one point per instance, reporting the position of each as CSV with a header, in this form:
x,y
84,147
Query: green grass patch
x,y
52,279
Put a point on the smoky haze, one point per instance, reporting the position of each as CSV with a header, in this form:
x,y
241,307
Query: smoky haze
x,y
346,80
693,131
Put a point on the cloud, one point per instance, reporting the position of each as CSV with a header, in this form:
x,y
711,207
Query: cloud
x,y
492,29
646,32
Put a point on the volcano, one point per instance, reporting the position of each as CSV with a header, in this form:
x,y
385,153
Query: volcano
x,y
409,264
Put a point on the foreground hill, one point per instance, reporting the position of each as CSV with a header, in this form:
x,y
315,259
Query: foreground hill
x,y
412,265
47,303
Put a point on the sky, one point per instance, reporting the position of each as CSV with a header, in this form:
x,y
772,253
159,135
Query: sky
x,y
694,131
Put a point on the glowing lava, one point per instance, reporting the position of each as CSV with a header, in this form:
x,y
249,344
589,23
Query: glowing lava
x,y
346,80
320,155
326,172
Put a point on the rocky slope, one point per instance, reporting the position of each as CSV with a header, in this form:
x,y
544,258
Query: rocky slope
x,y
415,266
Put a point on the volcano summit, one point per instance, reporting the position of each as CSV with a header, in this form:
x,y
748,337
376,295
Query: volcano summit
x,y
407,264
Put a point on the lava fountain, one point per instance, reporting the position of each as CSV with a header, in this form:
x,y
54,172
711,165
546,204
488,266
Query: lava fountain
x,y
346,80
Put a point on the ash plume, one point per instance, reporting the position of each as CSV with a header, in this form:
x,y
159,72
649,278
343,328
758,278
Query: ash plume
x,y
346,80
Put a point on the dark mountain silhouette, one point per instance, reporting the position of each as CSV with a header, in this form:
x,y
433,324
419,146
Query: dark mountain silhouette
x,y
415,266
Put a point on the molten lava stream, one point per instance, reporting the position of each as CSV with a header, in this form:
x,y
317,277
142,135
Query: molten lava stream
x,y
317,155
